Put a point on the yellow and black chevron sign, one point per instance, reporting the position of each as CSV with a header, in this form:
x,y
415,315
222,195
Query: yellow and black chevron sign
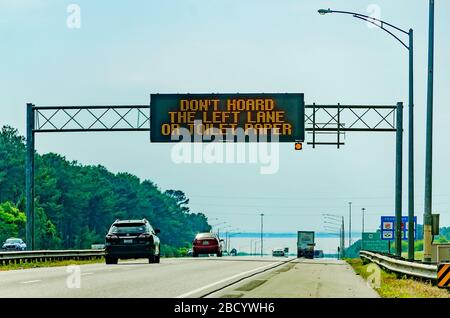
x,y
444,275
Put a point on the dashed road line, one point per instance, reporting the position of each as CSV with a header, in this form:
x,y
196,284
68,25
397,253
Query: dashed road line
x,y
32,281
240,277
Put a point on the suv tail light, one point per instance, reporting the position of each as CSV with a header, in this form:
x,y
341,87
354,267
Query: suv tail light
x,y
145,236
111,237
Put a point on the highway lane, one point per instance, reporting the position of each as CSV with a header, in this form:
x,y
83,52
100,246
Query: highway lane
x,y
318,278
182,277
246,277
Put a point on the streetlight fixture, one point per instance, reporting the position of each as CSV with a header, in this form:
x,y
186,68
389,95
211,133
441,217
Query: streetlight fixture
x,y
332,217
324,11
223,227
228,237
391,30
338,226
217,224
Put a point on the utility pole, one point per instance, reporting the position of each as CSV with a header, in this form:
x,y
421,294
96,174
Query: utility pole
x,y
427,235
262,231
362,233
350,225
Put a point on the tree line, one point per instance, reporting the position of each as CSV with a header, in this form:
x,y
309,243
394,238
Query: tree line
x,y
76,204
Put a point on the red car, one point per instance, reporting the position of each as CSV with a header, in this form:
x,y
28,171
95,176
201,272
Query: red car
x,y
206,243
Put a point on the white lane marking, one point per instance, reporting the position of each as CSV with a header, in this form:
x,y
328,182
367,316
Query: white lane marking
x,y
227,279
85,274
31,281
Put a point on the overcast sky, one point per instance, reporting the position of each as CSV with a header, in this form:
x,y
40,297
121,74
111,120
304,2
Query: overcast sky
x,y
126,50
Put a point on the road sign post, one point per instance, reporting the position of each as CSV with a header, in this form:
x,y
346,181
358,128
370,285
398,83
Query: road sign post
x,y
399,179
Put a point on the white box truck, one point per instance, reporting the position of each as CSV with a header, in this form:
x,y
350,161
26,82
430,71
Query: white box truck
x,y
305,244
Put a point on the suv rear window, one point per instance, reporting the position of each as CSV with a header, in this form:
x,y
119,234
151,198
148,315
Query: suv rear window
x,y
205,235
128,228
13,241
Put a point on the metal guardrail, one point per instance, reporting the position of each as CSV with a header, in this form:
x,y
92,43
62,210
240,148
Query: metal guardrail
x,y
43,256
415,269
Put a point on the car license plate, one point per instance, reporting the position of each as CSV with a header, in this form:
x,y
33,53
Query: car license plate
x,y
205,243
128,241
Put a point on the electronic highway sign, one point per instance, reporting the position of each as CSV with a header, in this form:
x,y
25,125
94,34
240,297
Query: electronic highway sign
x,y
227,117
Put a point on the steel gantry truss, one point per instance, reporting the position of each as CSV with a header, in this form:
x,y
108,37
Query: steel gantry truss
x,y
51,119
91,118
340,119
319,120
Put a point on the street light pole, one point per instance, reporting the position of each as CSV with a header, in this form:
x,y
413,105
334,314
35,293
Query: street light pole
x,y
343,239
262,230
427,235
383,25
256,243
226,241
411,150
362,232
230,233
350,224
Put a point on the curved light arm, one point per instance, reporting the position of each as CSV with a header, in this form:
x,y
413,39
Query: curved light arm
x,y
384,29
372,20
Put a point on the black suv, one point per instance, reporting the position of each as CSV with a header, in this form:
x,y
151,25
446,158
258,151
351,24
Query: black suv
x,y
132,239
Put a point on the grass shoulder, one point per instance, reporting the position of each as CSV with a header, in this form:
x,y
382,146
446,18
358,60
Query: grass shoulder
x,y
392,286
49,264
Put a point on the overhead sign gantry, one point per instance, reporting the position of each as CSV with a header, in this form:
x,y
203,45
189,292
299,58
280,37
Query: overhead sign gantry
x,y
283,113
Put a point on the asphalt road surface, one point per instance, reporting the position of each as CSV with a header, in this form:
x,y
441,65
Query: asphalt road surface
x,y
318,278
187,278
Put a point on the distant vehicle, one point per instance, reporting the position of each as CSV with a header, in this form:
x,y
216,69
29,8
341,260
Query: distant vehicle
x,y
305,244
233,252
97,246
207,243
14,244
318,254
279,252
132,239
